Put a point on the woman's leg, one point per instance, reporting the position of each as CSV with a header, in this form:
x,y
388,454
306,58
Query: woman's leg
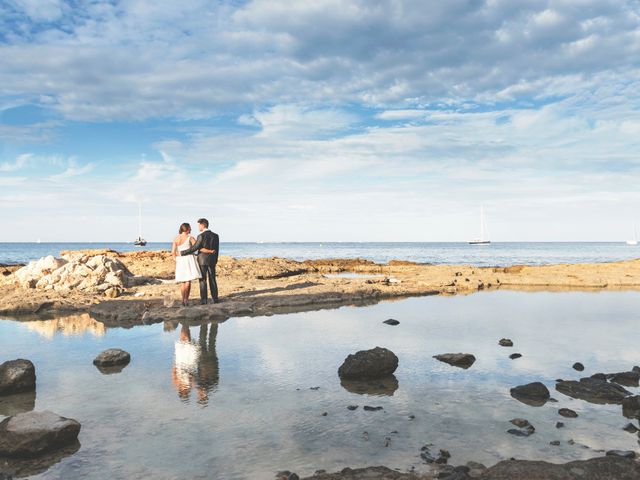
x,y
183,291
188,293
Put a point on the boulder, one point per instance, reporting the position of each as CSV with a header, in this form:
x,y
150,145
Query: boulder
x,y
593,390
628,379
392,322
505,342
112,357
29,275
17,376
578,366
568,413
462,360
631,407
513,356
374,363
33,433
531,393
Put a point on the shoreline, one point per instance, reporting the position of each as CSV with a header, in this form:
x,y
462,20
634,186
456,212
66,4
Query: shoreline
x,y
267,286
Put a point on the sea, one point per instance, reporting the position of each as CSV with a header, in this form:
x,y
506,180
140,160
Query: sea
x,y
495,254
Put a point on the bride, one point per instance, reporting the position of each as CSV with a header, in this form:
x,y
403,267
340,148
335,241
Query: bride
x,y
187,268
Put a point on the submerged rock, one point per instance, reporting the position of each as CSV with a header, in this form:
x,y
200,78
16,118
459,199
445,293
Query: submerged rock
x,y
593,390
33,433
534,394
621,453
17,376
578,366
461,360
374,363
524,428
112,357
513,356
568,413
505,342
392,322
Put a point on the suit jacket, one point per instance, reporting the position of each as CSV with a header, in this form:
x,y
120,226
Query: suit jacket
x,y
209,240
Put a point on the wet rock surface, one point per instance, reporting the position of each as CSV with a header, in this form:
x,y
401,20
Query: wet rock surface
x,y
628,379
505,342
17,376
392,322
514,356
33,433
567,412
461,360
375,363
112,357
593,390
535,393
631,406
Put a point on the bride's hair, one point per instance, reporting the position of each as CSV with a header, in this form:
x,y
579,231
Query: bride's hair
x,y
185,227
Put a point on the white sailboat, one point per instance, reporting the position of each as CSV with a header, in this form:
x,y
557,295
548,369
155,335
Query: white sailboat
x,y
483,240
140,242
634,240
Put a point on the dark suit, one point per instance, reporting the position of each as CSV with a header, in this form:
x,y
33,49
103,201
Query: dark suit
x,y
207,262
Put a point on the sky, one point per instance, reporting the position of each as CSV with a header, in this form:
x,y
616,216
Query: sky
x,y
323,120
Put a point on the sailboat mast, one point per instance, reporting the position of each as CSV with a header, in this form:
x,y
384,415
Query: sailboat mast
x,y
139,219
482,223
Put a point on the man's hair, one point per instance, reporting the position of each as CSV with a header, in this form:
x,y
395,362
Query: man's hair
x,y
204,221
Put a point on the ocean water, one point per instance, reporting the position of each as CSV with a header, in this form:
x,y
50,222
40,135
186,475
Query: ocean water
x,y
246,398
496,254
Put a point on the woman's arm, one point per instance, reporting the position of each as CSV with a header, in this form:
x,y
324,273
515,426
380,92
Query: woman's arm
x,y
174,249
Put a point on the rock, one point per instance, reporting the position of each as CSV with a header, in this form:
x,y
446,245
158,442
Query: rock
x,y
368,473
29,275
505,342
630,427
599,376
531,393
631,407
112,357
462,360
513,356
628,379
377,362
33,433
559,424
475,469
112,292
524,428
567,412
352,407
371,409
593,390
17,376
578,366
621,453
555,443
392,322
636,369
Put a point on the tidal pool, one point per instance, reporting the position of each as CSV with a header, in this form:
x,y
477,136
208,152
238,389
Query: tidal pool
x,y
239,399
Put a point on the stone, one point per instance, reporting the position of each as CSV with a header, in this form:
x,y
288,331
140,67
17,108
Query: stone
x,y
17,376
578,366
559,424
112,292
555,443
536,392
33,433
461,360
112,357
513,356
524,428
352,407
593,390
371,409
599,376
630,427
568,413
621,453
631,407
505,342
377,362
392,322
628,379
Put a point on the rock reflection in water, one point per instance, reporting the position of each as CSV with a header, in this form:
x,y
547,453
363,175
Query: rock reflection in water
x,y
26,467
68,326
385,386
195,364
18,403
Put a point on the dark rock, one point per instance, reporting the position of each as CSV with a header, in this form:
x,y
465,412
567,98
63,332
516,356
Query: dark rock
x,y
593,390
33,433
621,453
377,386
567,412
525,428
412,417
352,407
461,360
578,366
628,379
324,414
314,388
374,363
599,376
369,408
559,424
520,422
513,356
636,369
534,394
505,342
17,376
112,357
519,432
293,476
555,443
631,407
630,427
392,322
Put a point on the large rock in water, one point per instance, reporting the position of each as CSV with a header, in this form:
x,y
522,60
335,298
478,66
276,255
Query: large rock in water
x,y
593,390
631,407
17,376
462,360
601,468
535,393
374,363
33,433
112,357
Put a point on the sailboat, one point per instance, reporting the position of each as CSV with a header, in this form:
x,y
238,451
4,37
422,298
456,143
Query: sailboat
x,y
140,242
482,240
634,240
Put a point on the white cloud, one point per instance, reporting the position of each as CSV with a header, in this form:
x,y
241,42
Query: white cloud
x,y
73,170
20,162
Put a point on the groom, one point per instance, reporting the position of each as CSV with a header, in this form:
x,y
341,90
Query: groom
x,y
207,247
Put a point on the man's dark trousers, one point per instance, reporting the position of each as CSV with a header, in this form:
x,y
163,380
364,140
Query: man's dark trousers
x,y
208,274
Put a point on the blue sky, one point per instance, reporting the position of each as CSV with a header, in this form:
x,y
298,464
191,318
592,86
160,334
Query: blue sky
x,y
326,120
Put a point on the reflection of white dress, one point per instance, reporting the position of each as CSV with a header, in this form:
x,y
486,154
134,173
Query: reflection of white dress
x,y
187,268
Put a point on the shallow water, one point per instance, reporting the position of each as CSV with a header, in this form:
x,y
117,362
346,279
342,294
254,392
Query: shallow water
x,y
234,400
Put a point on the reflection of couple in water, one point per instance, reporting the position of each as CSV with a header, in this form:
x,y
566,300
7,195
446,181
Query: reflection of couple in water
x,y
196,363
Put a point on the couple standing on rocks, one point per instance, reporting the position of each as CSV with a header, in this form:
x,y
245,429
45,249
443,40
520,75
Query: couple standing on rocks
x,y
204,268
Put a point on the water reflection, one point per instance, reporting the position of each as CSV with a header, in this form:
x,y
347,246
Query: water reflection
x,y
18,403
26,467
385,386
195,366
68,326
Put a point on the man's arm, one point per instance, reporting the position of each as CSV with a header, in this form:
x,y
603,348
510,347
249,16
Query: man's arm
x,y
194,248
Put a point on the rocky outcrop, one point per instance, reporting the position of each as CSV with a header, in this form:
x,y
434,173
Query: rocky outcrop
x,y
631,407
593,390
628,379
17,376
112,357
375,363
462,360
602,468
34,433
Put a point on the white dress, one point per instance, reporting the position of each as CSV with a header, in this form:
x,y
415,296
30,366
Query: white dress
x,y
187,268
